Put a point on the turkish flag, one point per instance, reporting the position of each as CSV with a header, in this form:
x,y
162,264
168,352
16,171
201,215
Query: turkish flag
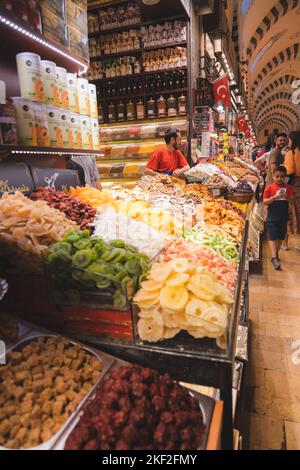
x,y
242,123
221,91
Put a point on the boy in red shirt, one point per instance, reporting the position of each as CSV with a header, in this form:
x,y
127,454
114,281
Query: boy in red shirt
x,y
168,160
276,197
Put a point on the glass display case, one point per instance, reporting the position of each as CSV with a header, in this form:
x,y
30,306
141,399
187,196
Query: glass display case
x,y
125,149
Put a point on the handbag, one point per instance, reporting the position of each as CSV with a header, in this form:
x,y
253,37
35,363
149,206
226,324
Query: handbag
x,y
291,177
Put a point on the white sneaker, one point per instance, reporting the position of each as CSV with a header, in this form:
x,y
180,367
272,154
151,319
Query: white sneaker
x,y
285,248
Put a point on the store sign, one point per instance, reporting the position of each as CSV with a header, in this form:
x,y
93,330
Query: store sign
x,y
54,178
14,177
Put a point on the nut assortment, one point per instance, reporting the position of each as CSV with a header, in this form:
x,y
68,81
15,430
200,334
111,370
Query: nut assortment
x,y
138,409
40,387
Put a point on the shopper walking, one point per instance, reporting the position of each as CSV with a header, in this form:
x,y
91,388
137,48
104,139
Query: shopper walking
x,y
276,158
277,197
292,164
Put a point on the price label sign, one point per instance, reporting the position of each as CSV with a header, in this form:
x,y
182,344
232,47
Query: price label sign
x,y
15,177
55,178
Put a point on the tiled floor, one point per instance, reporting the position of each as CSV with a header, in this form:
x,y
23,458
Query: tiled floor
x,y
274,381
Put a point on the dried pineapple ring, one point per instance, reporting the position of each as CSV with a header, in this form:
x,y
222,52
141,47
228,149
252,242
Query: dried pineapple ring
x,y
147,313
224,295
143,295
194,312
160,273
150,286
197,333
179,265
170,332
198,292
174,298
177,280
151,329
214,319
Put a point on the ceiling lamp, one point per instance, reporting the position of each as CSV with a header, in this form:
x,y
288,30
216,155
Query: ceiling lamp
x,y
218,40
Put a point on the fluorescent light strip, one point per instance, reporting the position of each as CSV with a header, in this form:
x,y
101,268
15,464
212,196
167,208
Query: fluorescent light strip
x,y
39,152
41,41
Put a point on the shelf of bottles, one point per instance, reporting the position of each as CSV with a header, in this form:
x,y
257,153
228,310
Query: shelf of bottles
x,y
140,69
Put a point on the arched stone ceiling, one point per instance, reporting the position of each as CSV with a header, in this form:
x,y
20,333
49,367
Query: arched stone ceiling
x,y
270,43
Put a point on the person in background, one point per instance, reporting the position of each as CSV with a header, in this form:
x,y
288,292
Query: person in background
x,y
277,197
262,158
71,165
276,158
168,159
255,153
292,164
91,172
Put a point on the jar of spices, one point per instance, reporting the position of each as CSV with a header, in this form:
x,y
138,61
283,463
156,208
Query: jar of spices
x,y
130,111
112,113
171,104
182,105
161,107
140,109
121,111
151,108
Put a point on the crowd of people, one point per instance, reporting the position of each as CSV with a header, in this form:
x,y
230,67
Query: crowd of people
x,y
279,164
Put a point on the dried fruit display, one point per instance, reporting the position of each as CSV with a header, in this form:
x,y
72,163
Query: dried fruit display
x,y
216,214
40,387
138,409
217,241
204,256
74,209
92,196
81,261
27,228
179,296
113,226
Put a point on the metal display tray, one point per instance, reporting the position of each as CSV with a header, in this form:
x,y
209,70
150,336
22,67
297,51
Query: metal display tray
x,y
107,362
206,405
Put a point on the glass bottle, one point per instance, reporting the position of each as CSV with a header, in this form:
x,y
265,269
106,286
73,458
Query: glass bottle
x,y
171,104
161,107
112,114
100,113
182,105
121,111
140,110
130,111
151,108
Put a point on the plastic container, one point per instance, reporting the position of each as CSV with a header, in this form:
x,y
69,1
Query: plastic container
x,y
83,96
62,82
93,101
95,133
55,127
77,133
87,138
25,121
65,127
50,82
73,93
41,124
30,76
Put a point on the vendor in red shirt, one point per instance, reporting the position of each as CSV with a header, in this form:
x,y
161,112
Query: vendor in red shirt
x,y
168,159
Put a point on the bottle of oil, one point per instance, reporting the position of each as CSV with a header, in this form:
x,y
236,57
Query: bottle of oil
x,y
182,105
140,110
161,107
171,104
151,108
130,111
